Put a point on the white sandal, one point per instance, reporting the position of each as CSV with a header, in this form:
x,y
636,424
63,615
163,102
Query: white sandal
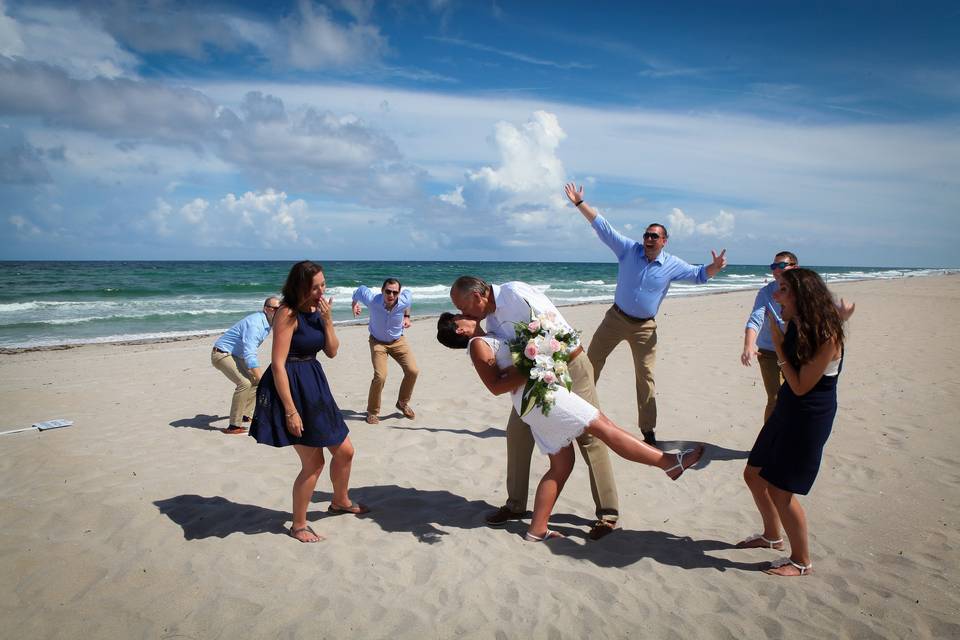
x,y
679,464
776,564
549,535
758,536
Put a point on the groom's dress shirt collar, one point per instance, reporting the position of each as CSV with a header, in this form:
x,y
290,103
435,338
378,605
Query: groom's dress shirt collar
x,y
514,301
643,284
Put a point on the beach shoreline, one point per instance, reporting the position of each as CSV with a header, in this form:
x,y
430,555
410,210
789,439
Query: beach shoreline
x,y
144,520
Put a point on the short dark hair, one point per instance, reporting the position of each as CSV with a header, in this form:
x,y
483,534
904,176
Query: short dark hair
x,y
390,281
792,257
657,224
447,332
470,284
299,280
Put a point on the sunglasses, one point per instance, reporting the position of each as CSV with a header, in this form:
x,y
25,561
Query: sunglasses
x,y
390,292
651,236
779,265
266,306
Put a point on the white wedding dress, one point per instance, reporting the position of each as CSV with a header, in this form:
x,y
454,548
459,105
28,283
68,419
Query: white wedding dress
x,y
568,418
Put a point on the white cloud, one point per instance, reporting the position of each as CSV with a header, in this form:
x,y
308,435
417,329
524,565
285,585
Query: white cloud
x,y
682,225
454,198
194,212
316,41
22,225
66,38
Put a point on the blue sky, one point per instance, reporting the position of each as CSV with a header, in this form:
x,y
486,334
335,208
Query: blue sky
x,y
445,129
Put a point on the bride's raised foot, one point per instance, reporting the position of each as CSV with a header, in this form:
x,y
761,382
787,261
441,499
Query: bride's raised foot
x,y
685,459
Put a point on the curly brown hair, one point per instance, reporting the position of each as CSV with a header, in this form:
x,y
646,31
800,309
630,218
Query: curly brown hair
x,y
817,319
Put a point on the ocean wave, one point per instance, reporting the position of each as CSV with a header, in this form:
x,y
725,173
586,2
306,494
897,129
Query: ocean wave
x,y
589,282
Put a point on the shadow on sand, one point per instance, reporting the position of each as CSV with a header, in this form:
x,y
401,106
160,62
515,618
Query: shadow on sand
x,y
200,421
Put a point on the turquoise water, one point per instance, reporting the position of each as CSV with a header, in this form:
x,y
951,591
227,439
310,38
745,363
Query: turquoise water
x,y
60,303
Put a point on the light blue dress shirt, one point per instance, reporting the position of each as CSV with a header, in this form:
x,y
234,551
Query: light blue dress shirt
x,y
757,320
642,284
244,338
385,325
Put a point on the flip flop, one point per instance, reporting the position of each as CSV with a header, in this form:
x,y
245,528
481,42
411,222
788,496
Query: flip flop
x,y
357,509
758,541
804,569
293,534
549,535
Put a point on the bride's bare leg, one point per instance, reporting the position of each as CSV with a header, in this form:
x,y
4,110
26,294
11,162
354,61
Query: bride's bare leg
x,y
561,464
628,446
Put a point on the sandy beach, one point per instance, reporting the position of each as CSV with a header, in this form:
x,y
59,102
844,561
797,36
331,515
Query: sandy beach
x,y
144,521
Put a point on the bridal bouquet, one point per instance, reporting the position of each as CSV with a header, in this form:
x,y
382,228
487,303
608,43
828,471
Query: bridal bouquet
x,y
541,350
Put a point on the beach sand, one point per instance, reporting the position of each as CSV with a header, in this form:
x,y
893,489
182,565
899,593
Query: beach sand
x,y
143,520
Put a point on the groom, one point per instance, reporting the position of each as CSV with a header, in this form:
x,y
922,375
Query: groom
x,y
501,306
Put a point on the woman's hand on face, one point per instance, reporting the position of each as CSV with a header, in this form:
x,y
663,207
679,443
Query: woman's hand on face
x,y
295,425
325,307
776,335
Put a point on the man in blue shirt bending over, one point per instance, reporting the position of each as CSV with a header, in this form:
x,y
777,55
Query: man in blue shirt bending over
x,y
389,316
643,278
235,355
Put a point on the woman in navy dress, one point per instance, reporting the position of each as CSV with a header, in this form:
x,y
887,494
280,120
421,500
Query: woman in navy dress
x,y
294,403
786,457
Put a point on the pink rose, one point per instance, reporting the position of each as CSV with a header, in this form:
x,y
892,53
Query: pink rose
x,y
534,326
555,345
530,351
549,378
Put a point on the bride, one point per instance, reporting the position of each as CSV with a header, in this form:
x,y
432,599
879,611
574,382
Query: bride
x,y
570,416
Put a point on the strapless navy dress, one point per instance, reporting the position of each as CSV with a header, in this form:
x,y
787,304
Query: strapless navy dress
x,y
789,448
323,424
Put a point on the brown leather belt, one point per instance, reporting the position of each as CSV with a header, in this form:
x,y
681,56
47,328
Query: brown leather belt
x,y
628,316
575,353
220,350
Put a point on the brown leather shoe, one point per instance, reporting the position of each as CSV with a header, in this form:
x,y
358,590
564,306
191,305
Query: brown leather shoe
x,y
601,529
234,431
650,437
501,516
373,418
406,410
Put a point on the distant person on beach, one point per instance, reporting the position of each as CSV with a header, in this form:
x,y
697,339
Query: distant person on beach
x,y
502,306
569,418
757,342
389,316
294,404
786,457
235,355
644,274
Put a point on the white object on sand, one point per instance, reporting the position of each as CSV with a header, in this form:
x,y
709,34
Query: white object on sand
x,y
42,426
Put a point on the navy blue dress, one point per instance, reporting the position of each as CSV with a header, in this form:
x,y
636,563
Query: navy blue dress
x,y
789,448
323,424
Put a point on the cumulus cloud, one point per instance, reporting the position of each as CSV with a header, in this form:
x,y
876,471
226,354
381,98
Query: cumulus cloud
x,y
682,225
525,186
262,219
454,198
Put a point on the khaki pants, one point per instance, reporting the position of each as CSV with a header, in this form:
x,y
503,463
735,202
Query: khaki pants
x,y
772,378
520,447
245,393
400,351
642,338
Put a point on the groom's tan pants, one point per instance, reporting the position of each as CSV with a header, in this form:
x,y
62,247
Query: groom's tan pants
x,y
520,447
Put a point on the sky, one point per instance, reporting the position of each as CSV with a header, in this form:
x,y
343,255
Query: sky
x,y
446,129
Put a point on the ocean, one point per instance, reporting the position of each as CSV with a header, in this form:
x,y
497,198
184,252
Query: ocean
x,y
48,304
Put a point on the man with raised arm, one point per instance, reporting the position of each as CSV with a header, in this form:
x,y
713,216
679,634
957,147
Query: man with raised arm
x,y
644,275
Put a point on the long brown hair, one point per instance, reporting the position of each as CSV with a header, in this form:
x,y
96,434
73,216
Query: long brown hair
x,y
817,319
299,280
